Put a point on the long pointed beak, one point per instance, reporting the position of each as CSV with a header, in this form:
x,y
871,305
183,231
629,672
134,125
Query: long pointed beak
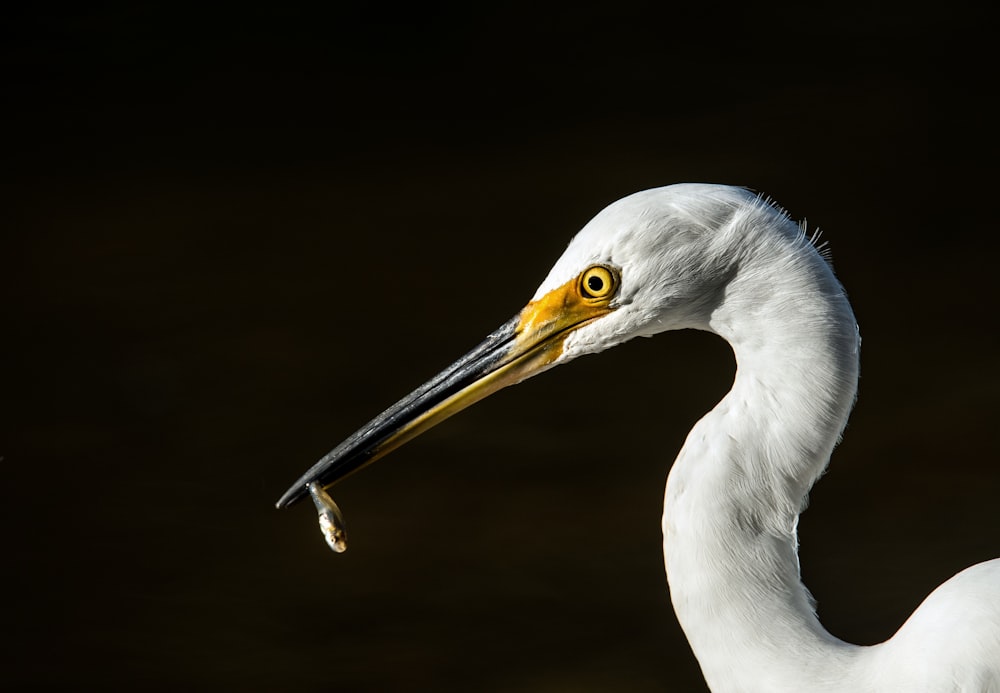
x,y
524,346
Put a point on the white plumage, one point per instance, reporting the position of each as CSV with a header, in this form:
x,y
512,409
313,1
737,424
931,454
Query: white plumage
x,y
735,491
721,259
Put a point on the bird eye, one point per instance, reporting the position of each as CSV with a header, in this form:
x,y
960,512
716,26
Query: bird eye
x,y
598,282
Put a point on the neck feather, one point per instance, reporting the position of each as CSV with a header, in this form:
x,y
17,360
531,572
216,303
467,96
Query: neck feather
x,y
735,492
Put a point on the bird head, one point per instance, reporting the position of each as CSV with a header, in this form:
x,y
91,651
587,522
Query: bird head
x,y
656,260
672,251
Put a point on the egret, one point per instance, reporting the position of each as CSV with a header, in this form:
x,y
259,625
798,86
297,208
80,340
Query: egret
x,y
725,260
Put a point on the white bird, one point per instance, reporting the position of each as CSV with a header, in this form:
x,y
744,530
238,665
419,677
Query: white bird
x,y
721,259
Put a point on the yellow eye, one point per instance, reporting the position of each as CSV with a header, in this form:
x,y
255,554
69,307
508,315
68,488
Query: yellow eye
x,y
598,282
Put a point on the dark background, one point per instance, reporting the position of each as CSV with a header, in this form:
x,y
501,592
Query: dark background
x,y
231,236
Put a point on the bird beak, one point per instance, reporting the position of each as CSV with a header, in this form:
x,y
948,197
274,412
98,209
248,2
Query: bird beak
x,y
526,345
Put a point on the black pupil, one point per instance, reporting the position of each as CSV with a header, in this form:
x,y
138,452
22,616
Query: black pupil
x,y
595,284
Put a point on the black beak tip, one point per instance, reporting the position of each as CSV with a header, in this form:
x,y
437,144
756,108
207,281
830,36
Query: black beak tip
x,y
291,496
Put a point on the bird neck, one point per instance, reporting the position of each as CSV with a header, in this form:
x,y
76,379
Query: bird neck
x,y
735,492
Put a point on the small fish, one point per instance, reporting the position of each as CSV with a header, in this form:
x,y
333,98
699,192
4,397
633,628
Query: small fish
x,y
331,520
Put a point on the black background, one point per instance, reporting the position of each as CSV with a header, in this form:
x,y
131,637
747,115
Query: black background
x,y
232,235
